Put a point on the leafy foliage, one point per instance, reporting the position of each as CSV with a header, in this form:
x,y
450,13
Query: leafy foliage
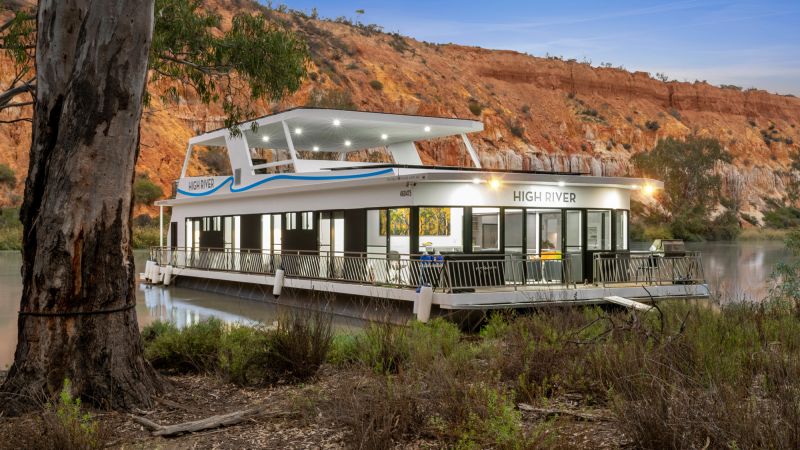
x,y
7,176
269,61
691,188
254,59
145,192
63,425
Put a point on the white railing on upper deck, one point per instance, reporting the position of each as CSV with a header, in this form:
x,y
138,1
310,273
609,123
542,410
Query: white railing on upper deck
x,y
647,268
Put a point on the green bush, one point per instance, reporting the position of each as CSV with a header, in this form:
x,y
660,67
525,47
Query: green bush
x,y
301,343
344,350
194,349
244,355
377,85
145,237
475,107
63,425
7,176
145,192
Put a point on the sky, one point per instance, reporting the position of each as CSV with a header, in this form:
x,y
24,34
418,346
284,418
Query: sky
x,y
746,43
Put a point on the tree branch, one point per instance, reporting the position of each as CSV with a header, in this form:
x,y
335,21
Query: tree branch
x,y
7,96
21,119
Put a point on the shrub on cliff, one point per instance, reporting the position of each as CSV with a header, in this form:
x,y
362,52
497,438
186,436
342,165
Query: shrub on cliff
x,y
7,176
691,187
145,192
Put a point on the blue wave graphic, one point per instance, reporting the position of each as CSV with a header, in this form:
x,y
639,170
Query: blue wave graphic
x,y
229,181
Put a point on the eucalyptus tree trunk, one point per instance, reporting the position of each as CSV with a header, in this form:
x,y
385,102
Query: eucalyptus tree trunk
x,y
77,318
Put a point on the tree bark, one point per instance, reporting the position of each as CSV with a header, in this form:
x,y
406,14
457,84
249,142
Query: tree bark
x,y
77,318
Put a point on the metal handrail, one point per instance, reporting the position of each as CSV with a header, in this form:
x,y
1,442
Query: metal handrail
x,y
647,268
467,272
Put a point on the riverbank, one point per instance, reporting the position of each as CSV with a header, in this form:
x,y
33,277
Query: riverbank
x,y
684,375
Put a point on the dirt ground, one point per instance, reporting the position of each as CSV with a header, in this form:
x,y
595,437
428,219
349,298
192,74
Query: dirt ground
x,y
193,397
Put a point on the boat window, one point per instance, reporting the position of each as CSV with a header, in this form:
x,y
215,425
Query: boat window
x,y
266,232
513,230
209,161
276,232
441,229
376,231
598,230
325,232
485,225
621,224
307,219
399,220
573,230
291,221
188,231
551,233
532,232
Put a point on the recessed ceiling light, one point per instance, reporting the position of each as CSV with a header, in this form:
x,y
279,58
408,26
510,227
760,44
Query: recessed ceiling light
x,y
316,148
561,183
336,122
347,143
384,137
427,129
298,131
265,138
494,183
476,181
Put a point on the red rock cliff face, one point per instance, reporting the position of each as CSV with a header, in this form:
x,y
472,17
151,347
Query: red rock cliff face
x,y
541,114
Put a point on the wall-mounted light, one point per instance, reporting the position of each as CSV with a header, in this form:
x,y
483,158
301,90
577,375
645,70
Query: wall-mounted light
x,y
648,189
336,122
265,138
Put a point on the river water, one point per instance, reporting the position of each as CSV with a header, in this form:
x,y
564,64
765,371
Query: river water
x,y
734,270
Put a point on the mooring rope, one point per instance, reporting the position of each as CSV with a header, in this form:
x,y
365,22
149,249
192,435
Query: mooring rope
x,y
76,313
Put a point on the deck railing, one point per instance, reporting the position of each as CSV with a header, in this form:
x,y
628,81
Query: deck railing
x,y
647,268
451,274
468,272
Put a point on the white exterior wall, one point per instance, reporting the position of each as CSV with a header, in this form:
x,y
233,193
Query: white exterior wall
x,y
398,194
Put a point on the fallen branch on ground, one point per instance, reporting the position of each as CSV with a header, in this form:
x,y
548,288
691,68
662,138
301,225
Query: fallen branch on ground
x,y
221,420
561,412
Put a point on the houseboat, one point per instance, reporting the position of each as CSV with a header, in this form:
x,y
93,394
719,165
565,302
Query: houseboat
x,y
297,213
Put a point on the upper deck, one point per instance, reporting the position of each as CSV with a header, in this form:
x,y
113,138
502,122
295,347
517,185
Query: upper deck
x,y
308,150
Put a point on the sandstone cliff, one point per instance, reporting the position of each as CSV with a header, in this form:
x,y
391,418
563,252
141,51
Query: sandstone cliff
x,y
539,113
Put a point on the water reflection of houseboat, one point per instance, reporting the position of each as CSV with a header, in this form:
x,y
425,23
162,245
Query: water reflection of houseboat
x,y
494,238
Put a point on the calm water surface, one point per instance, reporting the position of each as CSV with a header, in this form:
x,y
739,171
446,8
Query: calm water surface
x,y
734,270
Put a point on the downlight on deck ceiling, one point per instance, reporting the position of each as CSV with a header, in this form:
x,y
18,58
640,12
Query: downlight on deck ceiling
x,y
561,184
495,183
384,136
298,131
316,148
347,143
265,138
336,122
427,129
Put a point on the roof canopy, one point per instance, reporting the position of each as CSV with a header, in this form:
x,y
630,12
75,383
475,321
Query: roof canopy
x,y
333,130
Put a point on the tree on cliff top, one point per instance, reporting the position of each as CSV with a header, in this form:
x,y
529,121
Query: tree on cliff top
x,y
77,318
691,186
